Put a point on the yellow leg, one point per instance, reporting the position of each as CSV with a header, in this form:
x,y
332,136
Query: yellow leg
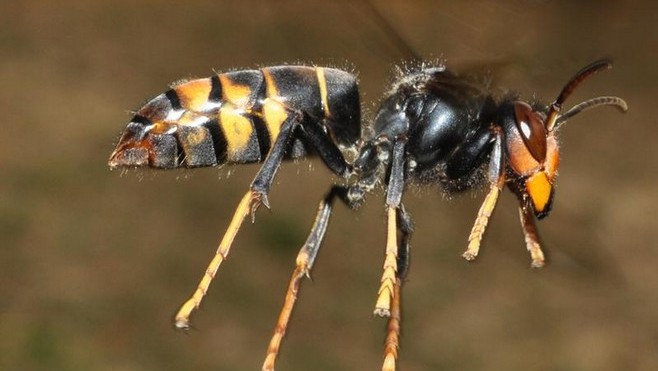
x,y
300,271
481,221
305,259
392,342
531,238
248,204
386,291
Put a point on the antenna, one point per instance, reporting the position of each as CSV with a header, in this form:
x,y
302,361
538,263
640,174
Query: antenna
x,y
577,79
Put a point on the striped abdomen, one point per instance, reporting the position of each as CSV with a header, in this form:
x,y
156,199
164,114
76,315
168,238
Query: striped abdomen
x,y
235,117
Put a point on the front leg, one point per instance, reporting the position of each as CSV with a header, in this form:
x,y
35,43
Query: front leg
x,y
531,236
496,178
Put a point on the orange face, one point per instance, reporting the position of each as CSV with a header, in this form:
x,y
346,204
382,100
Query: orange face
x,y
533,155
539,186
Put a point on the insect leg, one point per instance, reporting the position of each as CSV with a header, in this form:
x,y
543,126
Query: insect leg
x,y
393,199
406,229
531,237
392,342
304,263
262,183
497,181
256,195
326,149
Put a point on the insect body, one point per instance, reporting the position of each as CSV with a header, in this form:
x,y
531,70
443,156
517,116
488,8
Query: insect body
x,y
237,117
433,126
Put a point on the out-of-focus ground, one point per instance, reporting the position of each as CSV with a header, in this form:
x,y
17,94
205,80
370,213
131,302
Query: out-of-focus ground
x,y
93,264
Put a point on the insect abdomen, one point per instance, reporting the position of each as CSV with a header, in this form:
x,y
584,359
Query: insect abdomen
x,y
235,117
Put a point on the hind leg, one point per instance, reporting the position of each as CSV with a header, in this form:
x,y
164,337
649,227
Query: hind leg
x,y
250,202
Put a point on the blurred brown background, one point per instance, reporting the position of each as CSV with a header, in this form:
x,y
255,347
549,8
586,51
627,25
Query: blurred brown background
x,y
93,264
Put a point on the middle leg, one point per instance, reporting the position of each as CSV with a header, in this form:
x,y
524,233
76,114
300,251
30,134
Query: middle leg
x,y
303,265
392,342
394,191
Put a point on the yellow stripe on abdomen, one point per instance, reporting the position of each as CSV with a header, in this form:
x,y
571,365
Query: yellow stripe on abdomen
x,y
271,90
237,94
194,94
322,84
237,130
274,114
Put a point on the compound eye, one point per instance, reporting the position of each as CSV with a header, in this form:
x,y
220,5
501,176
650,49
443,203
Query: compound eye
x,y
531,128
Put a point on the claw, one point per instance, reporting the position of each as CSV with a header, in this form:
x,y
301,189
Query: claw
x,y
257,198
264,200
537,264
469,256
